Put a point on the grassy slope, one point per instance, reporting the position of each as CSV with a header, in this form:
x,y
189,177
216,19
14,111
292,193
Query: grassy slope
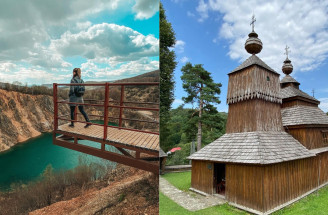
x,y
314,204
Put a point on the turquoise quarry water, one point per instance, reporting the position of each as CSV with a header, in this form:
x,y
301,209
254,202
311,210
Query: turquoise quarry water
x,y
26,161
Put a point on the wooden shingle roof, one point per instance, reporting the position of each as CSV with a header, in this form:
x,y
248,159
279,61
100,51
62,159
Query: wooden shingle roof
x,y
303,115
290,92
251,61
259,147
289,79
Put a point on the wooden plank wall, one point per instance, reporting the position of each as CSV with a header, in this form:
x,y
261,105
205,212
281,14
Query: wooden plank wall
x,y
323,163
311,138
297,103
290,85
243,84
265,187
254,115
244,185
286,181
202,176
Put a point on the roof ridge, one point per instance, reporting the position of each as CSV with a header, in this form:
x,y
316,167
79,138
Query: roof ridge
x,y
253,60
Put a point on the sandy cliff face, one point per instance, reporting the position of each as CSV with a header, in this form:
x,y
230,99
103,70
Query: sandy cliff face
x,y
23,116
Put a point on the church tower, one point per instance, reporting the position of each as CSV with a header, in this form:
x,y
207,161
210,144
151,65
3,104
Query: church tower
x,y
253,93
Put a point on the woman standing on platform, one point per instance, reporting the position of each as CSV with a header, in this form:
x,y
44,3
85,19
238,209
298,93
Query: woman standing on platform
x,y
76,95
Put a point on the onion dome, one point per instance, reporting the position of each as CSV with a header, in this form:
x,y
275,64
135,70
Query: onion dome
x,y
253,44
287,67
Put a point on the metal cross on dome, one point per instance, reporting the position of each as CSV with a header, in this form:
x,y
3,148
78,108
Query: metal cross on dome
x,y
287,51
252,22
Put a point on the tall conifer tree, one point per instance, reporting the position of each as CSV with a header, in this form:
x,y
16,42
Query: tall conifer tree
x,y
200,87
167,66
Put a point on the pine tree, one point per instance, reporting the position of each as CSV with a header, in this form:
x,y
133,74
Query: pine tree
x,y
200,87
167,66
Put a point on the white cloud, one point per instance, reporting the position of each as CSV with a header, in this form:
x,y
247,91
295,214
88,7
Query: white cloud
x,y
300,24
7,67
179,46
184,59
129,69
32,75
145,8
323,104
30,22
107,41
83,25
39,39
202,9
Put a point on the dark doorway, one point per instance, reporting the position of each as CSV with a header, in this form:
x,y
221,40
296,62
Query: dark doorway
x,y
219,178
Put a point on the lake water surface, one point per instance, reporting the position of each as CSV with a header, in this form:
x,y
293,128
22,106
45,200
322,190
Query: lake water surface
x,y
26,161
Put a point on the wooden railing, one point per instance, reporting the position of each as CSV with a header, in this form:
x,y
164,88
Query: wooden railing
x,y
107,104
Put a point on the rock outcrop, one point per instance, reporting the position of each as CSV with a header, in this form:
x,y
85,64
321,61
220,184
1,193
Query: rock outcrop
x,y
23,116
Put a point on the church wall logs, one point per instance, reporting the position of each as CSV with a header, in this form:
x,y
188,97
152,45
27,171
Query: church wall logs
x,y
254,115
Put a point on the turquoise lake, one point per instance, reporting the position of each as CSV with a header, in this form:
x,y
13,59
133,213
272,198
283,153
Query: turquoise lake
x,y
26,161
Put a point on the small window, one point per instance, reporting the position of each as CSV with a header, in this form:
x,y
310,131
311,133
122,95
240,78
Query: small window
x,y
268,78
325,136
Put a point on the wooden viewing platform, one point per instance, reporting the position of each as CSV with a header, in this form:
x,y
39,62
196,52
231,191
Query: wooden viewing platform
x,y
138,148
124,138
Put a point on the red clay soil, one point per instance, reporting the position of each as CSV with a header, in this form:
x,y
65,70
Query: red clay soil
x,y
135,194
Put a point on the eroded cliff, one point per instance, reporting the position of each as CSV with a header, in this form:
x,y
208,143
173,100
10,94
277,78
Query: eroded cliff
x,y
23,116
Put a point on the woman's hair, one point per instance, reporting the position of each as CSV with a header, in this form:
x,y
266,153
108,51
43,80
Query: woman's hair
x,y
75,70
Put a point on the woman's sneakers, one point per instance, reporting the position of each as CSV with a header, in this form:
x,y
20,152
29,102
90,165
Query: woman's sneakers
x,y
71,125
87,125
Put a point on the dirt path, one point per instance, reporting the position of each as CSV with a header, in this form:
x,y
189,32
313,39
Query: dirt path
x,y
188,200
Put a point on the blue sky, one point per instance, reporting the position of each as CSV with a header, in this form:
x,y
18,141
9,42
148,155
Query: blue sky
x,y
42,41
213,33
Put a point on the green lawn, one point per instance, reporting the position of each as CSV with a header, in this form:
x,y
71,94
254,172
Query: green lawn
x,y
181,180
169,207
314,204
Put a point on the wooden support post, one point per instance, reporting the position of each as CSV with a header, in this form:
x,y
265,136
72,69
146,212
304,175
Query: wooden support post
x,y
105,114
121,108
75,140
75,113
54,87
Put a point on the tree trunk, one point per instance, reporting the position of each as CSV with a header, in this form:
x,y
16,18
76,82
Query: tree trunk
x,y
199,134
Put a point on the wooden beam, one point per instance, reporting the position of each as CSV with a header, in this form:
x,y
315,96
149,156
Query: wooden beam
x,y
124,146
124,152
123,159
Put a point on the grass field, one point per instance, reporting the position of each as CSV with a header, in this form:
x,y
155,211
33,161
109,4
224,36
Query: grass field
x,y
314,204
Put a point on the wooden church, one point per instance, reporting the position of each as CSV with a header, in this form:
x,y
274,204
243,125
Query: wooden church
x,y
275,150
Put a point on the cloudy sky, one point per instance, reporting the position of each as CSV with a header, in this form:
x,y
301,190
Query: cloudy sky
x,y
213,33
41,41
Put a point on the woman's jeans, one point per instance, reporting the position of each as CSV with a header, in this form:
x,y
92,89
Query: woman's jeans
x,y
81,110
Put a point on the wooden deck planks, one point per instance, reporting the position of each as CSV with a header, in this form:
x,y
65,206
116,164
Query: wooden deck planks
x,y
121,136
